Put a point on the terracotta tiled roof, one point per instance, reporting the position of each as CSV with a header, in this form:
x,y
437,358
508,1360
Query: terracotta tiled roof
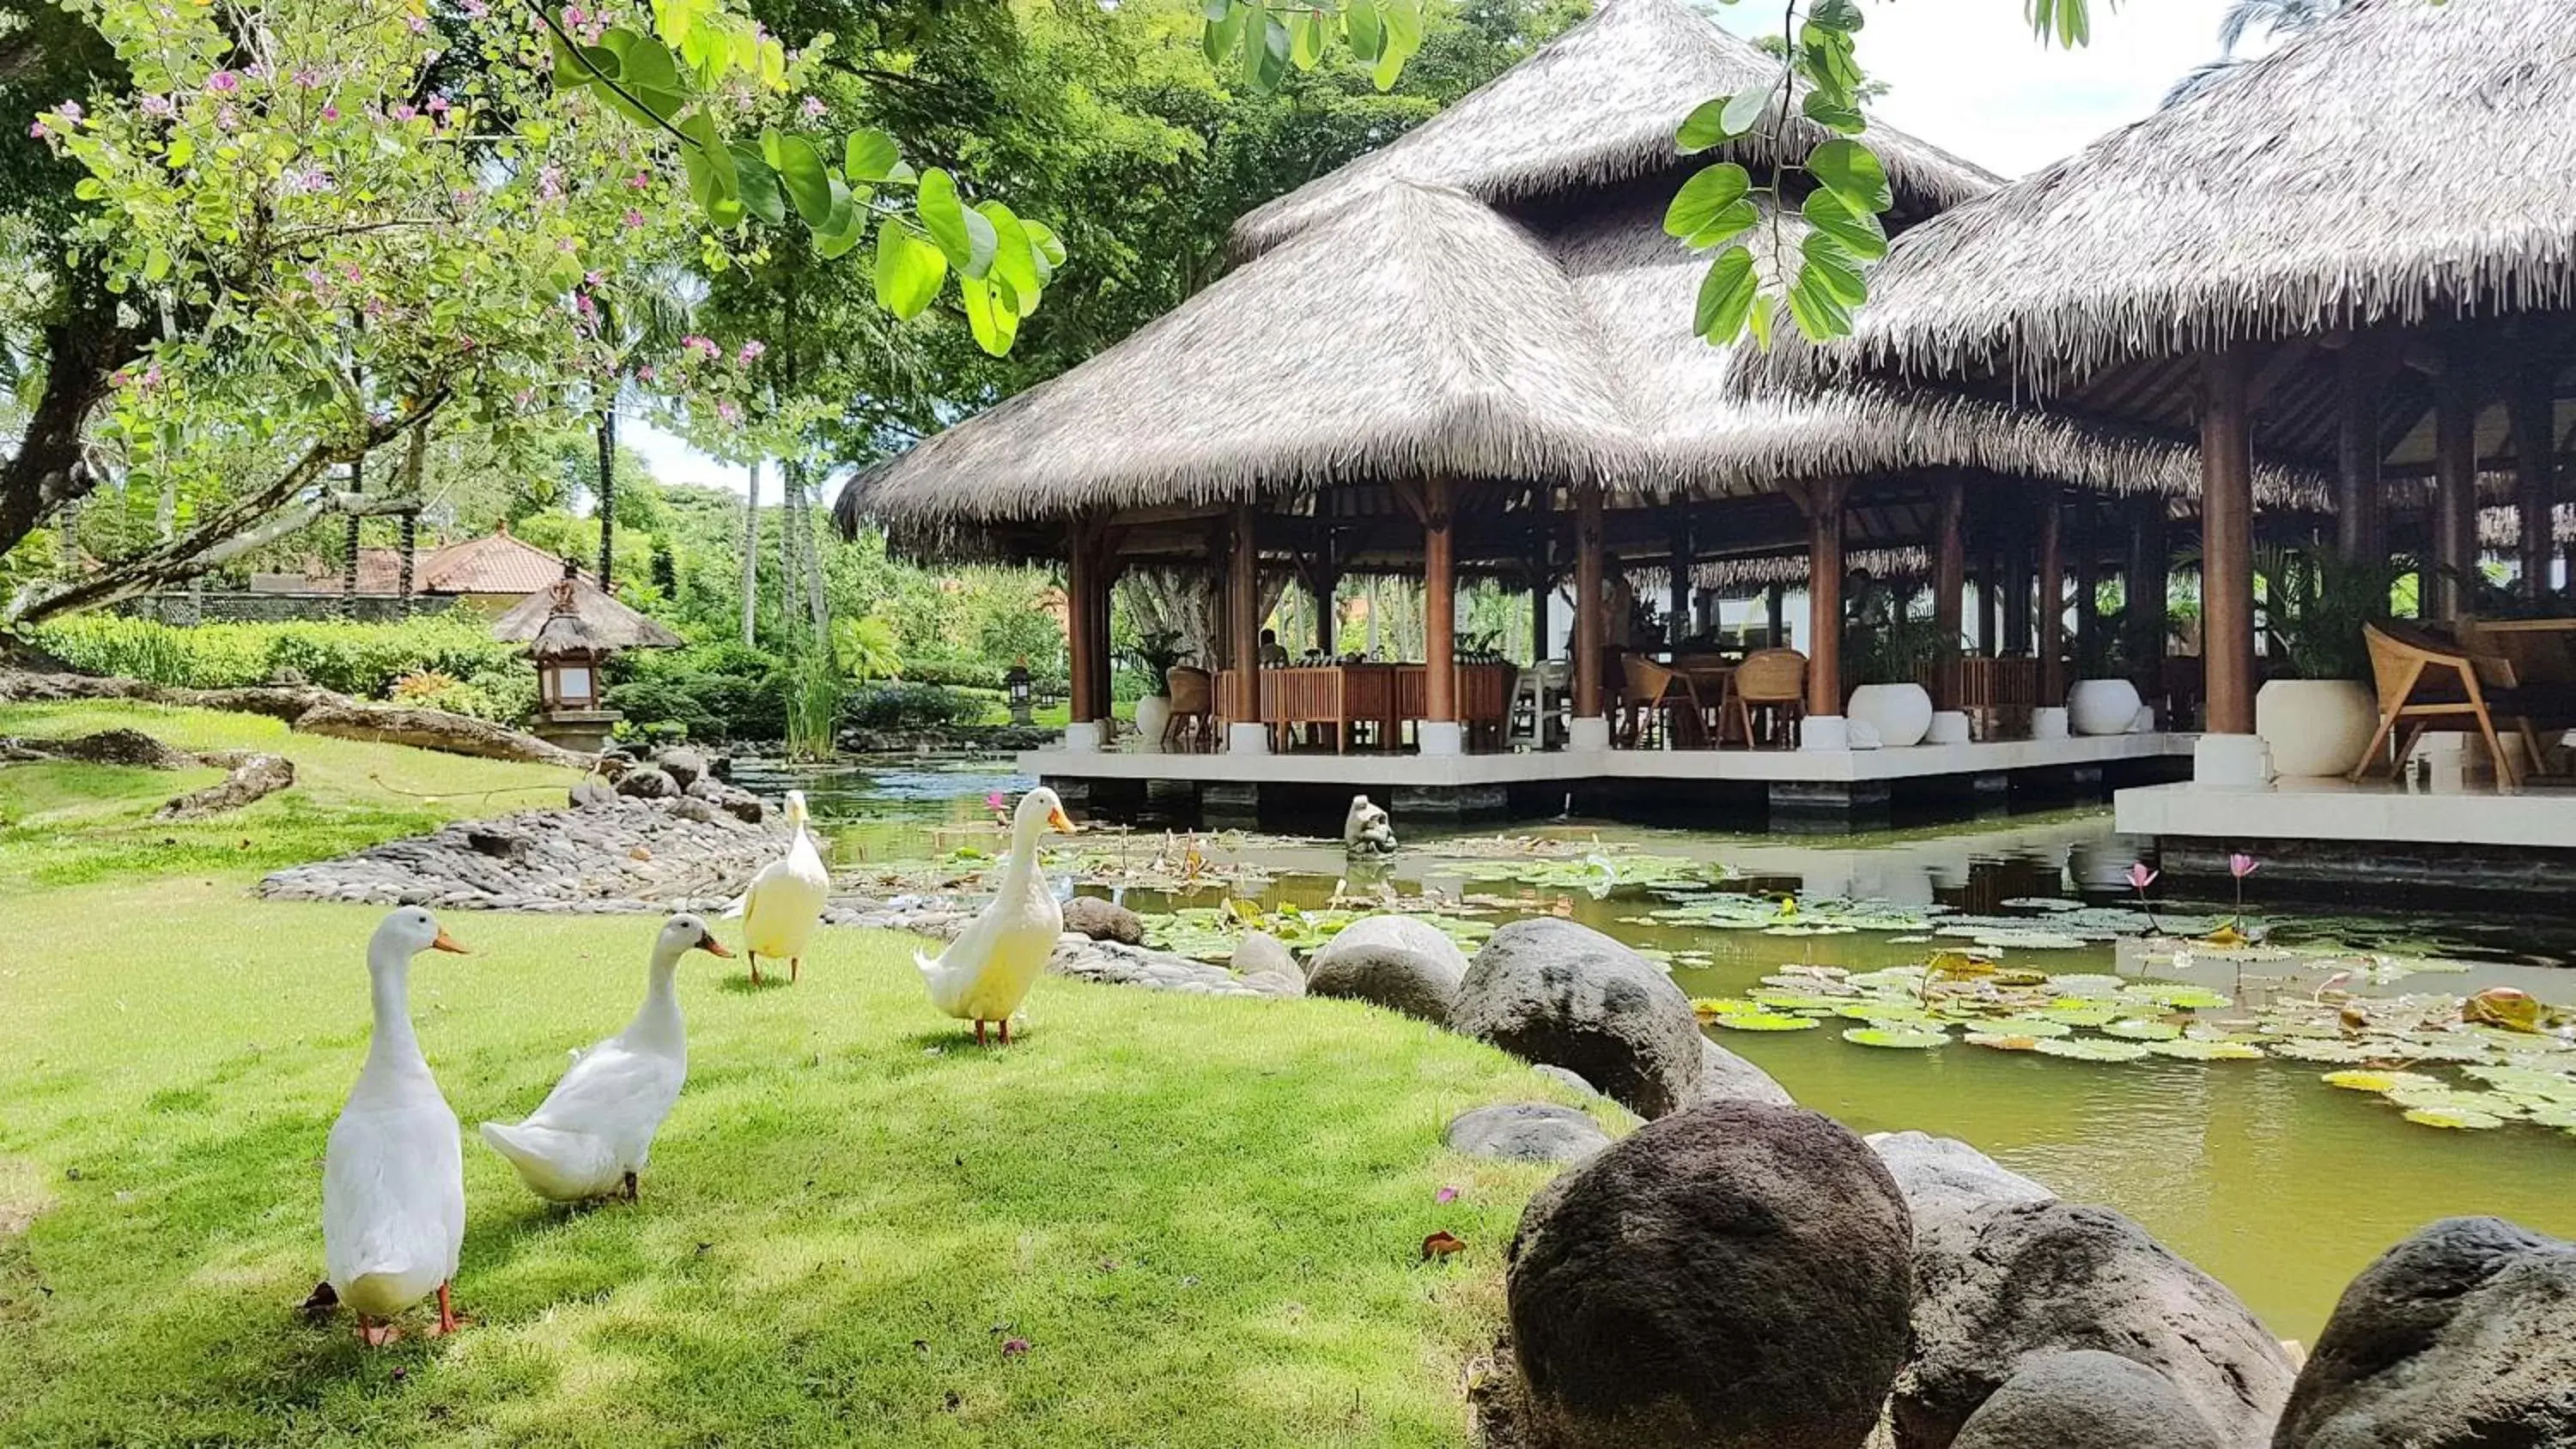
x,y
496,563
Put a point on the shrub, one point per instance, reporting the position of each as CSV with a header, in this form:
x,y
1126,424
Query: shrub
x,y
708,691
483,676
908,706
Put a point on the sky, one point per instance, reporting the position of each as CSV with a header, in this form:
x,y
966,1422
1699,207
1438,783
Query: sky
x,y
1965,75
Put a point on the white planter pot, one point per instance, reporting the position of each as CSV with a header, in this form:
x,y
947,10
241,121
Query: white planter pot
x,y
2102,707
1153,712
2315,727
1900,713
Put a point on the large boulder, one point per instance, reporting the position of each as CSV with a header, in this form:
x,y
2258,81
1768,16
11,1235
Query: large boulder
x,y
1260,953
1999,1285
685,766
646,782
741,804
2086,1399
1527,1132
590,791
1731,1277
1392,961
1943,1176
1726,1077
1555,992
1104,920
2461,1337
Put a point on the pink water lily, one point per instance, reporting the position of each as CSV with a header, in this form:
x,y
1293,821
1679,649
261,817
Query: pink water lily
x,y
2139,876
2241,866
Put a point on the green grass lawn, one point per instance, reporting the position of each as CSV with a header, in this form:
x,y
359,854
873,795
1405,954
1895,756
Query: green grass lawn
x,y
62,824
1202,1216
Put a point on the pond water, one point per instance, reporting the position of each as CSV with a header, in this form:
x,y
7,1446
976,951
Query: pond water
x,y
2258,1170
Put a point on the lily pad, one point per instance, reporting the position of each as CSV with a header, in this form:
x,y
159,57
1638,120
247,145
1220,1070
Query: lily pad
x,y
2140,1029
2092,1049
1905,1038
2445,1117
2364,1081
2180,995
2039,1026
1763,1021
2340,1053
2189,1050
2003,1041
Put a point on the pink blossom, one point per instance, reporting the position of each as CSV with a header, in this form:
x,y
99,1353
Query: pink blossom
x,y
727,411
306,80
352,272
1445,1195
438,105
594,280
256,70
815,108
330,113
1014,1347
405,111
574,17
37,130
750,352
644,373
225,119
550,181
69,111
157,105
700,346
223,83
475,9
634,219
419,24
582,303
2140,877
639,181
2241,866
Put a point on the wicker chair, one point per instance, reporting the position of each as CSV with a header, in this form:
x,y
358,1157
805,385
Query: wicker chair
x,y
2427,682
1193,695
1653,689
1773,681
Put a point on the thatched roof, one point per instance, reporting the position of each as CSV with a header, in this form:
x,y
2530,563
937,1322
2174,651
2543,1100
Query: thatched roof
x,y
2404,162
1597,105
2501,528
598,623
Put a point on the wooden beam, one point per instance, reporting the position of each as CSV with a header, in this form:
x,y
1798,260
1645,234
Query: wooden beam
x,y
1949,570
1677,591
2227,542
2455,488
1588,630
2143,588
1439,606
1243,623
1078,569
2535,477
1823,502
2083,541
2361,534
2052,598
2275,369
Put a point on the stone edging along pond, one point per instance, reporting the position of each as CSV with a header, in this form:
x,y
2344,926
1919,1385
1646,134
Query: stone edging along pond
x,y
1779,1282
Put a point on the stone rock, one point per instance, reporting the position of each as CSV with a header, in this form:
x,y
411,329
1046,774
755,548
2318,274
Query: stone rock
x,y
1104,920
2461,1337
1552,991
1260,953
690,807
2086,1399
1527,1132
1730,1277
1386,975
1943,1176
685,766
1726,1077
1997,1285
740,804
498,844
1440,954
646,783
1560,1074
721,766
590,791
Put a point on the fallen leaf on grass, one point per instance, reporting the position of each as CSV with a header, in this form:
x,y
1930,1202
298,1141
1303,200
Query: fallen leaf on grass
x,y
1441,1244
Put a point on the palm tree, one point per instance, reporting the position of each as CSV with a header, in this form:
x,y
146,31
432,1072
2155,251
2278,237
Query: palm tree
x,y
656,315
2273,19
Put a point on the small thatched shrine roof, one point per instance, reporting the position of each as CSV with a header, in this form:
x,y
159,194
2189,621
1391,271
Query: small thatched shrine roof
x,y
596,623
2407,161
1596,106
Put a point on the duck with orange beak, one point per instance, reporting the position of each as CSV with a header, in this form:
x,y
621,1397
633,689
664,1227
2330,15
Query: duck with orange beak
x,y
985,974
393,1176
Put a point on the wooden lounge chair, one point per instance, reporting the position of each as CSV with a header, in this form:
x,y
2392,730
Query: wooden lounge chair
x,y
2427,682
1775,682
1653,689
1193,695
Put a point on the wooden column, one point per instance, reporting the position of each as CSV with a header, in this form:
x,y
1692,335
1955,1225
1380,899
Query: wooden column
x,y
1775,613
1439,606
2143,589
1242,619
2535,477
2017,592
1078,569
2052,598
1538,616
2227,542
2455,486
1950,565
1587,602
1327,582
1677,594
2084,542
1104,579
2361,528
1823,502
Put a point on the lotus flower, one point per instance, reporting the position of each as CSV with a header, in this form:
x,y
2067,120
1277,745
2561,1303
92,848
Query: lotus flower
x,y
2241,866
2140,877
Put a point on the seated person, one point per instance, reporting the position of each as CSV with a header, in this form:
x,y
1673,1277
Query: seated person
x,y
1274,654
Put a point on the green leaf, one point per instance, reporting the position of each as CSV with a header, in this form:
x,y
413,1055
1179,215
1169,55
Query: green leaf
x,y
909,270
1015,261
1390,62
1046,244
1704,127
1857,234
1760,322
870,158
1817,305
1852,172
759,185
642,60
944,218
989,315
1404,23
1832,114
1840,15
712,177
1698,204
1726,296
1224,37
1744,109
1364,30
1265,53
1305,39
801,171
2069,22
842,225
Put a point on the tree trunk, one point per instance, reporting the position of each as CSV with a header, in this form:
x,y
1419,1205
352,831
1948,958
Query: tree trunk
x,y
349,546
607,494
255,778
311,711
751,555
81,353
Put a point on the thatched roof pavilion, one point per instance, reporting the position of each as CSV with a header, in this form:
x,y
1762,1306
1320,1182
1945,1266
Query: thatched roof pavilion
x,y
2343,257
1471,351
590,620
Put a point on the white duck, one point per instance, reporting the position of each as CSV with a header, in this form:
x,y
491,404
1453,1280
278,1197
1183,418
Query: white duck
x,y
986,972
393,1177
785,900
590,1137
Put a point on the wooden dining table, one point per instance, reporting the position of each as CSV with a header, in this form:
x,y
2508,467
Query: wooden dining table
x,y
1345,697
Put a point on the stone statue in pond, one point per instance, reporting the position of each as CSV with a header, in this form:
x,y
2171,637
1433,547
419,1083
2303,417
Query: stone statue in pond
x,y
1367,831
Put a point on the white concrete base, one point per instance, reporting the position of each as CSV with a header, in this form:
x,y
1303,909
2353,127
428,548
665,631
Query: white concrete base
x,y
1949,727
1440,737
2231,762
1821,732
1587,736
2048,722
1082,738
1247,739
2375,810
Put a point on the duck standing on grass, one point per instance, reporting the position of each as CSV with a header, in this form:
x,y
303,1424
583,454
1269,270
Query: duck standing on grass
x,y
393,1177
986,972
785,901
590,1137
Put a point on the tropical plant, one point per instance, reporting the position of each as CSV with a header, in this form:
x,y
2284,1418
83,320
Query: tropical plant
x,y
2316,602
867,648
1155,652
2271,18
1889,636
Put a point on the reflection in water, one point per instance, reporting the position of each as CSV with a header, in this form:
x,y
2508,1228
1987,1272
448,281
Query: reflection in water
x,y
2274,1183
